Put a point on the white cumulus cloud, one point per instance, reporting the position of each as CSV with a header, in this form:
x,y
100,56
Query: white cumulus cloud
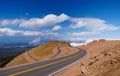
x,y
55,28
81,34
7,22
92,24
11,32
35,41
48,20
36,23
76,44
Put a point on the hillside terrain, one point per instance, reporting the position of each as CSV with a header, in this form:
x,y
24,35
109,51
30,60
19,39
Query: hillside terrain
x,y
46,51
102,59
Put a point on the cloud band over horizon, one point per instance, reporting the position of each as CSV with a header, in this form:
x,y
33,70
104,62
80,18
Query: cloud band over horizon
x,y
56,27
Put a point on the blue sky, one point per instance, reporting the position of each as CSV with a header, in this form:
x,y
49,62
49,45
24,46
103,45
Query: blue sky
x,y
33,21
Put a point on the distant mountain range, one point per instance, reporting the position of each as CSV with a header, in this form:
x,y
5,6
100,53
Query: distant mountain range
x,y
10,50
6,51
14,44
13,49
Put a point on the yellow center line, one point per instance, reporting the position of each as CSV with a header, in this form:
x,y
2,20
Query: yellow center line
x,y
42,66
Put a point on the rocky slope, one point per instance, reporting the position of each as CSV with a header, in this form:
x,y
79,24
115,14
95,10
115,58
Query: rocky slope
x,y
102,59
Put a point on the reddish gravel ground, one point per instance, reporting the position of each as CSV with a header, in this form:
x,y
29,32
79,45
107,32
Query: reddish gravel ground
x,y
102,59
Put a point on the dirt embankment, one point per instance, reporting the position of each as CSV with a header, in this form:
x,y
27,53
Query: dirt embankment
x,y
102,59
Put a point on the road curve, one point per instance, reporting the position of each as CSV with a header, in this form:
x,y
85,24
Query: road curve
x,y
32,56
43,68
58,52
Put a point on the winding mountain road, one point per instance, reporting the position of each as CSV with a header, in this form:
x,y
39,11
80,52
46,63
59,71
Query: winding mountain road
x,y
43,68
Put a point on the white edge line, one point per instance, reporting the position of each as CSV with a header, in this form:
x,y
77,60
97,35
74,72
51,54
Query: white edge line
x,y
52,74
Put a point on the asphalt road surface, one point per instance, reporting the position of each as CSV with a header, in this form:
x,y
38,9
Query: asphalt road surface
x,y
43,68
